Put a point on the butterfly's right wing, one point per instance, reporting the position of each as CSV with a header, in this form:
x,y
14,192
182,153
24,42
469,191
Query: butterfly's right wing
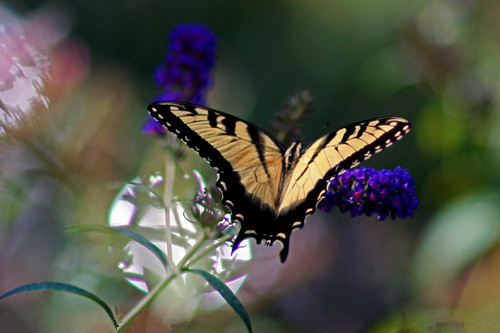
x,y
328,157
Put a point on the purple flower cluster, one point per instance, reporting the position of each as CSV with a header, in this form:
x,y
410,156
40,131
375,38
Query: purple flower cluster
x,y
185,74
368,191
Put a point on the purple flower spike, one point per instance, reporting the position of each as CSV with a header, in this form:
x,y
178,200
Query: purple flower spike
x,y
368,191
185,74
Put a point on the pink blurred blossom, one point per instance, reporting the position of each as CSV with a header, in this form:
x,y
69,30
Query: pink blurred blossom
x,y
37,64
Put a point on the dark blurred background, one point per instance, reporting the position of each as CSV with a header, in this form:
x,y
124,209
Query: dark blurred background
x,y
435,63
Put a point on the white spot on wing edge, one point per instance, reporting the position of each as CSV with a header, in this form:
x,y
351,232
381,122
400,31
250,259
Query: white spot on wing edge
x,y
320,195
223,185
281,235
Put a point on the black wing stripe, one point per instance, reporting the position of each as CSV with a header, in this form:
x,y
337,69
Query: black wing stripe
x,y
349,130
230,125
257,141
362,129
212,118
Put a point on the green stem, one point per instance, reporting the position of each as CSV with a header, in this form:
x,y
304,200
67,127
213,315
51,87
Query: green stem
x,y
145,301
177,217
208,250
199,241
169,183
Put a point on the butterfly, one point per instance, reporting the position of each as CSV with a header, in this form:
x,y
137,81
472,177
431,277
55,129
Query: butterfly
x,y
270,189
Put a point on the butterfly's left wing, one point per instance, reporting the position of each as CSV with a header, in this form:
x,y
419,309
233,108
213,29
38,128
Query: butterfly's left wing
x,y
249,162
328,157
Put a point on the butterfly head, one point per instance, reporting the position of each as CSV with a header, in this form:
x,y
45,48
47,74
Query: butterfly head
x,y
292,154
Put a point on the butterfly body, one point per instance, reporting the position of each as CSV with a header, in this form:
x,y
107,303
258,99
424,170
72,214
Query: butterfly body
x,y
271,189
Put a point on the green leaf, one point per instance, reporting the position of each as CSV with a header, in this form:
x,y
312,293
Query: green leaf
x,y
226,293
57,286
133,235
